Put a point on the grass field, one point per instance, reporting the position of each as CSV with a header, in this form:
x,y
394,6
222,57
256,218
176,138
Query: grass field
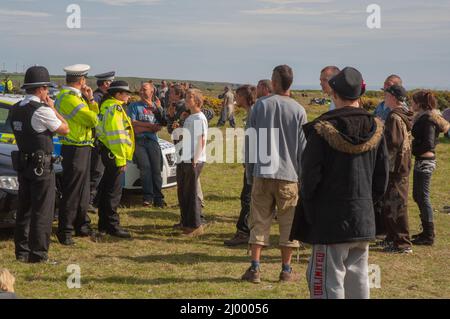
x,y
157,263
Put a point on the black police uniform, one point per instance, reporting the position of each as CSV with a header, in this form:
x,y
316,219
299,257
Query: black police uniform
x,y
97,167
33,162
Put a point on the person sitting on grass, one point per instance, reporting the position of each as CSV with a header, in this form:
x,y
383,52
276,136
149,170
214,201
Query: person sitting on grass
x,y
190,164
7,285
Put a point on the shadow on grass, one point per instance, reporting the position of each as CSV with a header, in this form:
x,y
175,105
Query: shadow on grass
x,y
157,214
219,198
138,281
196,258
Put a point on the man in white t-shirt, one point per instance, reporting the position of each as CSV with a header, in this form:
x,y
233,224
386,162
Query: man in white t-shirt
x,y
34,122
191,160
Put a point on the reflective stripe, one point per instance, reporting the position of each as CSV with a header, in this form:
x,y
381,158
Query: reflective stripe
x,y
64,138
119,141
58,102
74,111
124,132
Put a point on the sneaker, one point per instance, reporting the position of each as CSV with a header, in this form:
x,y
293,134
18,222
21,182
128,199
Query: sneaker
x,y
240,238
286,276
193,232
161,204
398,250
383,243
146,203
252,275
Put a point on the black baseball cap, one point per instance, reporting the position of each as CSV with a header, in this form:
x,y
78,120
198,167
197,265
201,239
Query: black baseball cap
x,y
398,91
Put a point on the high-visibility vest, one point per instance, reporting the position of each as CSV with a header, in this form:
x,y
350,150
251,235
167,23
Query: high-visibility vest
x,y
115,131
9,86
81,116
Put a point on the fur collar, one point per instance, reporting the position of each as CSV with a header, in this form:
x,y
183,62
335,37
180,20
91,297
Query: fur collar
x,y
333,137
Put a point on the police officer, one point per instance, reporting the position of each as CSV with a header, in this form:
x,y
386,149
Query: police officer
x,y
8,86
116,141
103,82
76,103
34,121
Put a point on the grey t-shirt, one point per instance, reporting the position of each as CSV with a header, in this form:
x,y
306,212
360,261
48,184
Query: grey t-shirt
x,y
278,123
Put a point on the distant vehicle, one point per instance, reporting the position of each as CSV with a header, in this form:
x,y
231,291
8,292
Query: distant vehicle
x,y
319,101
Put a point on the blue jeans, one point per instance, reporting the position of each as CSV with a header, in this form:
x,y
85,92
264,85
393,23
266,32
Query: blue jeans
x,y
149,160
423,169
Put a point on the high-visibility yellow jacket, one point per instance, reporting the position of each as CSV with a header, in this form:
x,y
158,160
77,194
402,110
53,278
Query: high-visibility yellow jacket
x,y
81,116
8,86
115,131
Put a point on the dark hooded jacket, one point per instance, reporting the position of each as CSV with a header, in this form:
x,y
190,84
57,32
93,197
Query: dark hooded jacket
x,y
345,168
426,130
397,130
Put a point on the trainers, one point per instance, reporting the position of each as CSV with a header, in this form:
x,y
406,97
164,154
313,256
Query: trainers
x,y
398,250
240,238
252,275
146,203
383,243
161,204
193,232
286,276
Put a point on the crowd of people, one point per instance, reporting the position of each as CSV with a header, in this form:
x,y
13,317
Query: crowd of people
x,y
339,182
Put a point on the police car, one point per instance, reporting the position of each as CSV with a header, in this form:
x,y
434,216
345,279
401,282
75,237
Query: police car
x,y
9,184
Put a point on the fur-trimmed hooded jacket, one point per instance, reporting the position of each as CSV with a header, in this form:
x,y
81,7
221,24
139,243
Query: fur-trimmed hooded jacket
x,y
426,130
345,168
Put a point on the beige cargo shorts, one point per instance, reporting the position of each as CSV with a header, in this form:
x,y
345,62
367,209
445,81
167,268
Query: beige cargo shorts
x,y
266,195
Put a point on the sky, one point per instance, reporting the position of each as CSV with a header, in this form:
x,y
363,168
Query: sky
x,y
238,41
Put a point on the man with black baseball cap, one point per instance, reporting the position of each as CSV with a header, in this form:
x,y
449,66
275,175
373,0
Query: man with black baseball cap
x,y
34,122
345,168
398,127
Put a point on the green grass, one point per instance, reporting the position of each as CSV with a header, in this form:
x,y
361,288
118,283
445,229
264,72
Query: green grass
x,y
158,263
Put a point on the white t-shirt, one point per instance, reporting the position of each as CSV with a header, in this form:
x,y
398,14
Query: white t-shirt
x,y
196,125
44,118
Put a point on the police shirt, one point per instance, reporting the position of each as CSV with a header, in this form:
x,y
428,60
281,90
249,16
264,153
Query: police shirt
x,y
44,118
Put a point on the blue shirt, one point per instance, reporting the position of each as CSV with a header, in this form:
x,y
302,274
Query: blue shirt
x,y
140,111
382,111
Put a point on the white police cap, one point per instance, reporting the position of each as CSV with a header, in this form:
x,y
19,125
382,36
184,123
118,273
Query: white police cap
x,y
77,69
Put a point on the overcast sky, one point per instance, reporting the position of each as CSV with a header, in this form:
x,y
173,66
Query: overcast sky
x,y
236,41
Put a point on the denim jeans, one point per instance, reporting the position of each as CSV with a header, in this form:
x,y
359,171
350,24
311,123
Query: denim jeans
x,y
423,170
148,157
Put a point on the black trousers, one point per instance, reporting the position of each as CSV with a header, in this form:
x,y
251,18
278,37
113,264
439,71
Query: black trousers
x,y
35,214
109,193
246,198
75,182
97,169
190,205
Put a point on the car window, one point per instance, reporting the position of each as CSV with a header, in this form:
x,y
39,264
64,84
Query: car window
x,y
5,126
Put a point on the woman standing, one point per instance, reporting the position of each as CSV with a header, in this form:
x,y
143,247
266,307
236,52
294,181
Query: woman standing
x,y
428,124
116,138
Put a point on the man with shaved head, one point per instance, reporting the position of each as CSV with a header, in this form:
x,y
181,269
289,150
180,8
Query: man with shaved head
x,y
382,110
